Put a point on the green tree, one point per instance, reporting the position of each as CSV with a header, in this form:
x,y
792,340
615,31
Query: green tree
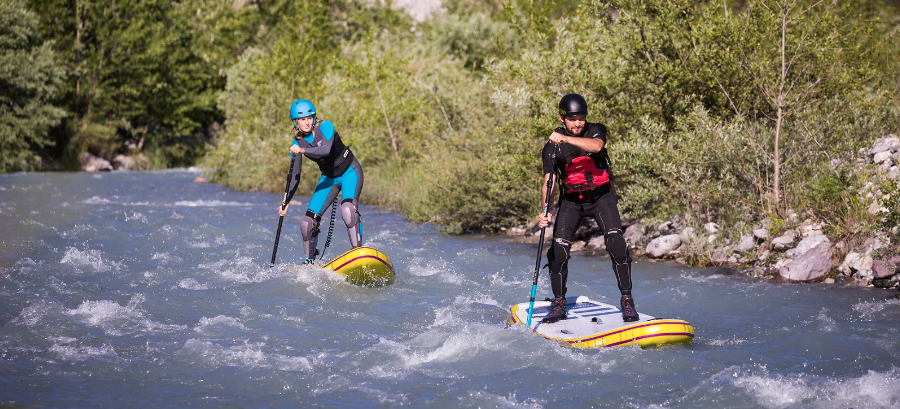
x,y
30,77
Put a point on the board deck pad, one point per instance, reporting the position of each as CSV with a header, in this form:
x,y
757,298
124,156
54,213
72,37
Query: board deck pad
x,y
363,266
593,324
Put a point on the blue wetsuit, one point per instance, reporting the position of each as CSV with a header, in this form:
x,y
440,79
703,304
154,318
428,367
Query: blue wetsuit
x,y
341,171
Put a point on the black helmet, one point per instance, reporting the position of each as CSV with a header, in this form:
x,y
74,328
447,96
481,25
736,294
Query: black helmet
x,y
572,104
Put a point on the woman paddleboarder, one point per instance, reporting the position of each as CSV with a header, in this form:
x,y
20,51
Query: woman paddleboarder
x,y
341,172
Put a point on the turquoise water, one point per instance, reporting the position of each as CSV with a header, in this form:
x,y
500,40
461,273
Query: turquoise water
x,y
145,289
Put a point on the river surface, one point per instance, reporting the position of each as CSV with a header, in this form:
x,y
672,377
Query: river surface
x,y
146,289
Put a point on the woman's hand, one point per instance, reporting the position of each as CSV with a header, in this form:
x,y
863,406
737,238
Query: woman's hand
x,y
544,221
282,210
297,150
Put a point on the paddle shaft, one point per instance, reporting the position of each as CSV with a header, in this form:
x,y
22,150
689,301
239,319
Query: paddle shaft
x,y
287,188
537,264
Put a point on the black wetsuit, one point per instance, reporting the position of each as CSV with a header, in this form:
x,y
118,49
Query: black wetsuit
x,y
599,202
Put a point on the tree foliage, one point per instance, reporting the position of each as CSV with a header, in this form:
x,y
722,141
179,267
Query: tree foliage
x,y
30,77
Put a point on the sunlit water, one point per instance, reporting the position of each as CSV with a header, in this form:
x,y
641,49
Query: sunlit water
x,y
149,290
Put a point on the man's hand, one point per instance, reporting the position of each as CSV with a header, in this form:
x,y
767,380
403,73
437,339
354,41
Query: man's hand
x,y
544,221
558,138
282,210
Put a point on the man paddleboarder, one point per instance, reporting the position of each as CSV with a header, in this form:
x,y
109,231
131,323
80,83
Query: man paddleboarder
x,y
576,154
341,172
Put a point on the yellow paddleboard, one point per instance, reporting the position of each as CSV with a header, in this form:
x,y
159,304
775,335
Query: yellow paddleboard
x,y
592,324
363,266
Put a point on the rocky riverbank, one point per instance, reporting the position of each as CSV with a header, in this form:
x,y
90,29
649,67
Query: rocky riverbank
x,y
794,250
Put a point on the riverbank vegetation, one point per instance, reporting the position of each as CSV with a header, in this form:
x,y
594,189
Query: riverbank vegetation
x,y
720,111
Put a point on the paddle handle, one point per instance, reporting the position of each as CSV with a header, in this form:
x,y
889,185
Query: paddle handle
x,y
537,264
287,188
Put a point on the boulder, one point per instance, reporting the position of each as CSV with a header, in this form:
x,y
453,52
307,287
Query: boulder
x,y
91,163
809,229
746,245
848,260
719,255
813,265
882,157
889,143
863,263
634,234
595,246
784,241
885,268
663,245
761,235
808,243
893,173
123,162
666,227
711,228
688,234
578,246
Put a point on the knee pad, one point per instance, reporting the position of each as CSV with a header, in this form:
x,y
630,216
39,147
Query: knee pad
x,y
558,255
617,246
350,214
309,226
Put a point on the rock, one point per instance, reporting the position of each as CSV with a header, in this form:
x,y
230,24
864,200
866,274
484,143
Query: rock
x,y
893,173
889,143
578,246
762,256
784,241
761,235
91,163
663,245
862,263
864,274
808,243
733,259
873,208
810,229
812,265
883,282
828,280
747,243
595,246
885,268
711,228
123,162
849,259
719,255
882,157
665,228
688,234
712,238
634,234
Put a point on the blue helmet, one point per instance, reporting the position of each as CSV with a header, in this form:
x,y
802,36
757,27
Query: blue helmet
x,y
302,108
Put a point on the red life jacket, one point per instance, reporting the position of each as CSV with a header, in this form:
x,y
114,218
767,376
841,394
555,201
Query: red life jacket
x,y
582,174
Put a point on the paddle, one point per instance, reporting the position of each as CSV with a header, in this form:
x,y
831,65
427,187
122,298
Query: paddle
x,y
537,264
287,187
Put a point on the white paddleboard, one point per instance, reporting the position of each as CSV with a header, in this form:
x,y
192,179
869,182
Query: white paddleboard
x,y
593,324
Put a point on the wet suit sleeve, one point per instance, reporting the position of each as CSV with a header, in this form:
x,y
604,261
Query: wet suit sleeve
x,y
327,129
295,174
547,157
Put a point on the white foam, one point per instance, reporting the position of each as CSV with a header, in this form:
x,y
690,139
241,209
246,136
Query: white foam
x,y
486,399
725,342
868,309
96,200
89,258
82,353
873,389
247,355
165,257
192,284
119,320
206,324
699,278
243,270
210,203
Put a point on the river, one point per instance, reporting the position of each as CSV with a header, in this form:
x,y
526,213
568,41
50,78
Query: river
x,y
146,289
